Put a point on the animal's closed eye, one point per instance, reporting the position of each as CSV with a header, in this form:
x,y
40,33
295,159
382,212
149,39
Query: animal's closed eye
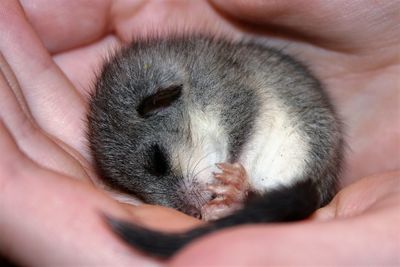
x,y
160,100
157,163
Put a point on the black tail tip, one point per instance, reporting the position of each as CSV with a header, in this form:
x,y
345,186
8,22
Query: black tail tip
x,y
151,242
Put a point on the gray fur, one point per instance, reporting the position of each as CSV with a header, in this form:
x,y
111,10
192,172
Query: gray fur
x,y
225,76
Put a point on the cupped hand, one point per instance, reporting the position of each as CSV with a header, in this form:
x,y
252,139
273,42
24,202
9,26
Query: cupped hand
x,y
51,54
50,210
359,227
352,46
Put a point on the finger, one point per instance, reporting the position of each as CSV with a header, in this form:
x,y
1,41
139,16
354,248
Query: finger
x,y
11,80
49,219
52,100
77,23
11,156
355,199
133,19
83,65
30,138
364,194
13,108
339,25
164,219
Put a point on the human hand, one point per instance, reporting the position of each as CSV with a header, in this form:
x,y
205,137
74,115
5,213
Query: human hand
x,y
351,46
80,45
47,218
354,49
359,227
50,211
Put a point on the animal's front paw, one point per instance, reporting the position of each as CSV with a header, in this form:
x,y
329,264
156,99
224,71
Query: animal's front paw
x,y
230,191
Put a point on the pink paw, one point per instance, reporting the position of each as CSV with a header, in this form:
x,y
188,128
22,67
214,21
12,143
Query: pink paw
x,y
230,191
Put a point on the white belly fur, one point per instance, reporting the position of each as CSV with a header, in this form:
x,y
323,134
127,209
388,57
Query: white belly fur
x,y
275,155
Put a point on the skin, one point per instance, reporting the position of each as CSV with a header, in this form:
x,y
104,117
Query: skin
x,y
50,208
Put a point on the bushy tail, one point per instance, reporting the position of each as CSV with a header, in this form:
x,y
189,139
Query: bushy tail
x,y
281,205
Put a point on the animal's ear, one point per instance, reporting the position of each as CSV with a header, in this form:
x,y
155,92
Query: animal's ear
x,y
160,100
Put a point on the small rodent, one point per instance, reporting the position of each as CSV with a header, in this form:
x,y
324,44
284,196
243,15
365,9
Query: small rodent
x,y
232,132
